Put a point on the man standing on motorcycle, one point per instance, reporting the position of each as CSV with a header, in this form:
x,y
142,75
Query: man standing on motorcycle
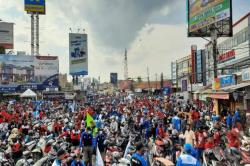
x,y
137,158
86,142
187,159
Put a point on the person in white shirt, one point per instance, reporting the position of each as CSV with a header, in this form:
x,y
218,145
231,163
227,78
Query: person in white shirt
x,y
189,135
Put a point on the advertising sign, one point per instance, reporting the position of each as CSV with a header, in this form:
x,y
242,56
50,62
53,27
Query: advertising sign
x,y
113,78
226,56
246,74
6,35
193,55
203,13
78,54
35,6
33,72
223,81
227,80
126,84
199,66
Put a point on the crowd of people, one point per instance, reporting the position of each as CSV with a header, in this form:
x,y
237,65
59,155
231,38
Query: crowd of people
x,y
115,129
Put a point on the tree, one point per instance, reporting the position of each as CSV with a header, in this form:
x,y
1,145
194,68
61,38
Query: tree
x,y
2,50
139,79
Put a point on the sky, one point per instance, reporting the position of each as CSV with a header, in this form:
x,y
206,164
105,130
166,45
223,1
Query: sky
x,y
153,31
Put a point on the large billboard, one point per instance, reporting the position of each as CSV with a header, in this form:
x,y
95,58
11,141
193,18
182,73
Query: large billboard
x,y
204,13
18,73
6,35
35,6
78,54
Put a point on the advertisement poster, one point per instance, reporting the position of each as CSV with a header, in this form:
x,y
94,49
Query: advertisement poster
x,y
6,35
18,73
78,54
35,6
202,13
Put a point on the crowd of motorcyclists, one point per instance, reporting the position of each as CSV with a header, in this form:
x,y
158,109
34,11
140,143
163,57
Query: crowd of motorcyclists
x,y
117,130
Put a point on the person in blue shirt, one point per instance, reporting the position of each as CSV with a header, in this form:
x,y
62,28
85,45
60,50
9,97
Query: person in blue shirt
x,y
176,122
100,138
87,144
137,158
229,121
187,159
77,161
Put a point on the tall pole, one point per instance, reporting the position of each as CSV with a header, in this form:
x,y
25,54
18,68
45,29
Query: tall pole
x,y
32,34
214,43
37,34
156,80
148,79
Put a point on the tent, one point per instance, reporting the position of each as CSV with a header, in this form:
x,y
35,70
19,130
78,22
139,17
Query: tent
x,y
28,94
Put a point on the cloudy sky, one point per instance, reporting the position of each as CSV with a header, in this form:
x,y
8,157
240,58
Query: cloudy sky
x,y
153,31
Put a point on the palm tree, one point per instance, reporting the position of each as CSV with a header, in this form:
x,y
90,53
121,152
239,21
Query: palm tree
x,y
2,50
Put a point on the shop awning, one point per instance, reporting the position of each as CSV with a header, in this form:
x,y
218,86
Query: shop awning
x,y
216,94
232,88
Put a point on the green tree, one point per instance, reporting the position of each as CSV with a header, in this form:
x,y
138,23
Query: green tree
x,y
2,50
139,79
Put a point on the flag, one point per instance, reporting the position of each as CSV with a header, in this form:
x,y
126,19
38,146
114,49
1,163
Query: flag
x,y
99,160
127,149
89,120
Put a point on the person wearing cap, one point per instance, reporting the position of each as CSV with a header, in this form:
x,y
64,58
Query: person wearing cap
x,y
187,159
137,158
61,155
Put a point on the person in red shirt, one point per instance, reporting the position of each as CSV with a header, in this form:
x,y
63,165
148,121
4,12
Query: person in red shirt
x,y
57,128
233,139
209,143
75,136
200,136
16,149
195,115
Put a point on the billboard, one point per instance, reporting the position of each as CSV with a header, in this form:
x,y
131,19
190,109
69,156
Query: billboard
x,y
18,73
6,35
113,78
204,13
78,54
193,68
35,6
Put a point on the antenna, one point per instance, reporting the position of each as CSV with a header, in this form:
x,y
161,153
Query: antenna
x,y
125,65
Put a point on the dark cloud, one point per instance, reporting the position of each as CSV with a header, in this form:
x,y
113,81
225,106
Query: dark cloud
x,y
114,23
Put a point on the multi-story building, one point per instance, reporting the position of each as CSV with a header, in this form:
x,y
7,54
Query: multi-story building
x,y
233,52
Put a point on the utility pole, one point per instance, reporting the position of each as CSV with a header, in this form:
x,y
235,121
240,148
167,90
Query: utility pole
x,y
156,75
148,79
214,43
32,34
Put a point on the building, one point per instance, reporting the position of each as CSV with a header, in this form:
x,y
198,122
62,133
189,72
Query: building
x,y
200,67
231,89
233,52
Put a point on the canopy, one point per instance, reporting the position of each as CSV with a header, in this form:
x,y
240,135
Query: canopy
x,y
28,93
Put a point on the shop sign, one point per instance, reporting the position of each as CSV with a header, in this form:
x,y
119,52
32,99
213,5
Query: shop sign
x,y
246,74
226,80
216,84
219,96
226,56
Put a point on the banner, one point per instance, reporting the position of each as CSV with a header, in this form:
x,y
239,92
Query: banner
x,y
203,13
19,73
35,6
78,54
6,35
